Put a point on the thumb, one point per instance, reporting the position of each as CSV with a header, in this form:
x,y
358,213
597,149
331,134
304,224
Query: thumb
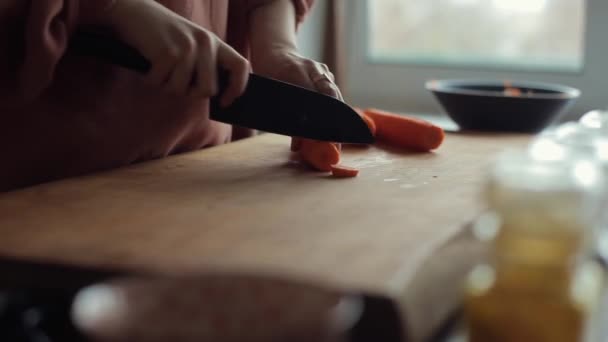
x,y
238,72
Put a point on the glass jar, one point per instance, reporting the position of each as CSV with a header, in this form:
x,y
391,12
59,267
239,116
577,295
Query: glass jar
x,y
597,119
586,141
539,283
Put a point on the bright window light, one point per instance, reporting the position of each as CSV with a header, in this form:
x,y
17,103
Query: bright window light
x,y
530,6
531,35
465,2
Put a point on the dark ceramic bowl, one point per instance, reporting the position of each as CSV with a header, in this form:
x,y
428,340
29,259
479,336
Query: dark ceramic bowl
x,y
490,106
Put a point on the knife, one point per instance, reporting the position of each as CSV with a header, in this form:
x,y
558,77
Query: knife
x,y
267,104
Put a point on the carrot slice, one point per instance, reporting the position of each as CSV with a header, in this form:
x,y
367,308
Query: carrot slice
x,y
343,171
319,154
404,131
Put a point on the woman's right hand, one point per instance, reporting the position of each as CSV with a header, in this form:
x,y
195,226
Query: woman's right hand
x,y
185,57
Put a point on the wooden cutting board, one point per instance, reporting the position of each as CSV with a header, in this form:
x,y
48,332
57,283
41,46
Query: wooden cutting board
x,y
246,206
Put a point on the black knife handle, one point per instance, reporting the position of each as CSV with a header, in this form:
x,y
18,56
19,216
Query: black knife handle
x,y
116,52
109,49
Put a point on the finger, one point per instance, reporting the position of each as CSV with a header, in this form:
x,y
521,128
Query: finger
x,y
328,72
320,68
331,76
238,69
160,73
181,77
322,80
328,88
206,76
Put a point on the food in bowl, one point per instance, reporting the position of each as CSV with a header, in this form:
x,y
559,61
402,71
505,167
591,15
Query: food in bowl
x,y
497,105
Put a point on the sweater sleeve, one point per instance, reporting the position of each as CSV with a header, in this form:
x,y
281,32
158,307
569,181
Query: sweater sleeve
x,y
302,7
238,20
48,25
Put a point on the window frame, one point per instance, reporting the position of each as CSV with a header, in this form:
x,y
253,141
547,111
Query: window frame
x,y
400,86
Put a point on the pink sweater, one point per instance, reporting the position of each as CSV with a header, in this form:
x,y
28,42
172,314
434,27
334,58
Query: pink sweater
x,y
82,115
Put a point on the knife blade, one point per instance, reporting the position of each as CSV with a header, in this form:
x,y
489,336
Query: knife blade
x,y
267,104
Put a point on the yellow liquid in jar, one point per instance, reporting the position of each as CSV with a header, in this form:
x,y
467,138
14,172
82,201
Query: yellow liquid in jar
x,y
504,316
556,247
529,295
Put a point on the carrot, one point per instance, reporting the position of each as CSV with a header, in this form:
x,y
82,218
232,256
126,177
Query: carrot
x,y
370,123
319,154
406,132
343,171
325,156
510,90
296,143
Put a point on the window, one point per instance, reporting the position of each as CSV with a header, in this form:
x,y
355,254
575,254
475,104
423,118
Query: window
x,y
395,46
530,34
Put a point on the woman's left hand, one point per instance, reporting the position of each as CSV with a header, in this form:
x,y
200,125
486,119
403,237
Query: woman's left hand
x,y
289,66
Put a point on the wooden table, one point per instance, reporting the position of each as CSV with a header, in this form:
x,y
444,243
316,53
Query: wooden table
x,y
246,206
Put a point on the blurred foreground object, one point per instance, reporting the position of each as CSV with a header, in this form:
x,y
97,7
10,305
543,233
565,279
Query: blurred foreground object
x,y
540,283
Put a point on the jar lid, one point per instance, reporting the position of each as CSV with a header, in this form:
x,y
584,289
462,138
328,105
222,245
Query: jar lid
x,y
546,183
584,138
597,119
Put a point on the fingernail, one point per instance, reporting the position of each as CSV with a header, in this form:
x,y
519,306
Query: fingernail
x,y
328,89
99,308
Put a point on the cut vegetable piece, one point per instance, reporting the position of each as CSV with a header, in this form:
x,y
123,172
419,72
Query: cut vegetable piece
x,y
319,154
343,171
404,131
370,123
296,143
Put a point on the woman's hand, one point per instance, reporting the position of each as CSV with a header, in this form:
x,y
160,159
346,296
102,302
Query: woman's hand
x,y
275,54
185,57
289,66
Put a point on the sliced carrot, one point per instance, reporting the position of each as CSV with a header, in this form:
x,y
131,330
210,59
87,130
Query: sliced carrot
x,y
319,154
343,171
404,131
370,123
325,156
296,143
